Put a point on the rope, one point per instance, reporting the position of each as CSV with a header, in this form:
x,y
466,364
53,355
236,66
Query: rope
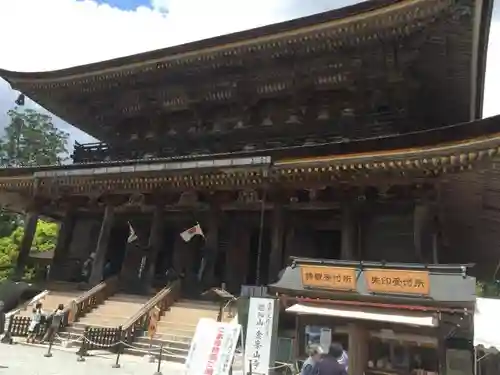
x,y
151,349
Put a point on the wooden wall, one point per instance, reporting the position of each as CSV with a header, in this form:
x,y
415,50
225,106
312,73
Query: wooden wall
x,y
470,216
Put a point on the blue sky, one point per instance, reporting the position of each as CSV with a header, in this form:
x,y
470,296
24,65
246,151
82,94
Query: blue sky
x,y
57,34
125,4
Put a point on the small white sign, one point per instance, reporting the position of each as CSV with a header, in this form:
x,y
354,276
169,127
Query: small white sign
x,y
325,339
259,335
213,347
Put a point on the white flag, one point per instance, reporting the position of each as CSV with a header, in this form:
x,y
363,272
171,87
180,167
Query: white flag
x,y
188,234
131,234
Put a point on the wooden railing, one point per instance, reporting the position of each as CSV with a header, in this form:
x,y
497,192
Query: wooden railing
x,y
92,298
18,325
139,322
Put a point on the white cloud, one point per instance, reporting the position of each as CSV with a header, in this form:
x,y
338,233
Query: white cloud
x,y
54,34
492,85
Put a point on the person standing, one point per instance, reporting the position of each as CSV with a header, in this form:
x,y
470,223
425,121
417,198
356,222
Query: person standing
x,y
87,268
330,365
54,322
36,320
344,359
310,365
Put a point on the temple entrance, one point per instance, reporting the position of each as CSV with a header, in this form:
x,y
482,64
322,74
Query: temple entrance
x,y
254,263
115,255
165,257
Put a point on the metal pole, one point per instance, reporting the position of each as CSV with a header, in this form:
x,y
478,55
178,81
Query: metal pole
x,y
117,362
49,349
158,369
83,348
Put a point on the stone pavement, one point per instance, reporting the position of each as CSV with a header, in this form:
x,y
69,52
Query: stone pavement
x,y
21,359
29,360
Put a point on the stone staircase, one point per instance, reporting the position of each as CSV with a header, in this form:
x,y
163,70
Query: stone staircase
x,y
114,312
176,329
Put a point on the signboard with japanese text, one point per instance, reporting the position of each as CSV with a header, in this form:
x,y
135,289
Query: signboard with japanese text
x,y
397,281
212,348
261,335
324,277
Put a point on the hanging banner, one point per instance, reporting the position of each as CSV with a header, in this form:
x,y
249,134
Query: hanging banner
x,y
262,317
212,348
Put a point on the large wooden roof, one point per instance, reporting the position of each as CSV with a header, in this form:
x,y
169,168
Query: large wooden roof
x,y
98,97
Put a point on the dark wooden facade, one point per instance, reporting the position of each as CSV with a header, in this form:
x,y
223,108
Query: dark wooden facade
x,y
328,136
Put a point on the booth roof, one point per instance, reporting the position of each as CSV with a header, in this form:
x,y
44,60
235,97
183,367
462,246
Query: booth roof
x,y
487,324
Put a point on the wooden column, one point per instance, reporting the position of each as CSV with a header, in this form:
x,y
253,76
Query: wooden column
x,y
277,241
422,237
102,246
211,245
348,225
155,243
64,237
358,348
237,256
30,223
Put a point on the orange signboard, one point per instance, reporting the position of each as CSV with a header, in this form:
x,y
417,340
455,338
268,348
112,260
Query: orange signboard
x,y
324,277
397,281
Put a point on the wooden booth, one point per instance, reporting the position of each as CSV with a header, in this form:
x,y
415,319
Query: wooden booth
x,y
390,318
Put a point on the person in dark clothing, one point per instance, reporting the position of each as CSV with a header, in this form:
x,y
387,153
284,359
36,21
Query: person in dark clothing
x,y
330,365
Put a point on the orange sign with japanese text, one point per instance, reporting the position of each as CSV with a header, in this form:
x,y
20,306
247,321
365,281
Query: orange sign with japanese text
x,y
324,277
397,281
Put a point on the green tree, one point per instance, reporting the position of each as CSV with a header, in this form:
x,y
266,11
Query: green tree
x,y
32,139
45,239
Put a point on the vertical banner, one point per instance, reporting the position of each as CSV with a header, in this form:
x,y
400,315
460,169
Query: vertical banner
x,y
212,349
261,339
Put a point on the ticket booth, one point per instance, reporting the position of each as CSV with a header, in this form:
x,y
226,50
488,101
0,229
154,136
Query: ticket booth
x,y
390,318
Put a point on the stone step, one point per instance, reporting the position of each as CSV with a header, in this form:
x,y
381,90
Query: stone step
x,y
129,298
165,340
199,305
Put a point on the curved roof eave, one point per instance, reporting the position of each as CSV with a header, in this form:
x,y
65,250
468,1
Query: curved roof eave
x,y
241,37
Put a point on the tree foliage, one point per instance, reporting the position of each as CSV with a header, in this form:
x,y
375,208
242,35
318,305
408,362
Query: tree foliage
x,y
45,240
30,139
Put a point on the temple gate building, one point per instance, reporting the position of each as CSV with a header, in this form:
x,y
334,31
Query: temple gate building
x,y
354,134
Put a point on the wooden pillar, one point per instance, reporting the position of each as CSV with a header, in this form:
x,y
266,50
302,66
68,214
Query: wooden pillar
x,y
212,245
30,223
64,237
237,256
155,243
349,232
102,246
421,232
277,240
358,348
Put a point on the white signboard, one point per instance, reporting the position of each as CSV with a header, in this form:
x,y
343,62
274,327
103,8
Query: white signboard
x,y
325,339
259,335
212,349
